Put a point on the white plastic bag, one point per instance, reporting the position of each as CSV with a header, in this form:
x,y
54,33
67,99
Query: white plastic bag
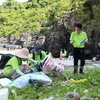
x,y
50,67
70,57
4,81
36,76
4,94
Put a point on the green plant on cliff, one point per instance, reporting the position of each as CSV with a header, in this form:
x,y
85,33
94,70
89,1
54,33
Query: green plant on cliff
x,y
33,15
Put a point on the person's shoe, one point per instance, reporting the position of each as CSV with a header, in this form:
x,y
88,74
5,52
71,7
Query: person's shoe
x,y
75,69
81,71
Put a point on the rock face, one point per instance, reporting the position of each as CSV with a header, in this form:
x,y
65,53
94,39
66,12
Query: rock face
x,y
57,40
59,34
25,40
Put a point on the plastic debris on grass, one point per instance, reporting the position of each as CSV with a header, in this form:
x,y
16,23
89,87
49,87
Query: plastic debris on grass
x,y
50,98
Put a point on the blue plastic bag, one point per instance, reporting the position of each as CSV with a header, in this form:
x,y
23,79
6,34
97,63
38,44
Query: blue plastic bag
x,y
36,77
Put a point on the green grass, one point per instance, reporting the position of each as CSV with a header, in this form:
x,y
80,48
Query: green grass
x,y
60,87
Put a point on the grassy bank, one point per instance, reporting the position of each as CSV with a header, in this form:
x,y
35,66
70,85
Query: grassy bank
x,y
88,90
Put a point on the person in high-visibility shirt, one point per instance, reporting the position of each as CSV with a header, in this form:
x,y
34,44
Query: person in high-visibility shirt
x,y
78,39
63,54
38,55
14,66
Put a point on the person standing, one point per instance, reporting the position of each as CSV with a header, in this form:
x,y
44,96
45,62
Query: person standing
x,y
78,39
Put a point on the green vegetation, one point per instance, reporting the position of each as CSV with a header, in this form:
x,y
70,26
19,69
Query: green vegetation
x,y
31,16
88,90
34,15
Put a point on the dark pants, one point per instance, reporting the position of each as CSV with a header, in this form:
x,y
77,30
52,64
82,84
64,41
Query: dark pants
x,y
79,53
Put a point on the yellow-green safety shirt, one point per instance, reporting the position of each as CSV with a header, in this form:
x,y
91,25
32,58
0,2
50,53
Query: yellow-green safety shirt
x,y
78,39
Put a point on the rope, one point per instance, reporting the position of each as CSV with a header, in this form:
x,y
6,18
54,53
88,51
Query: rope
x,y
75,81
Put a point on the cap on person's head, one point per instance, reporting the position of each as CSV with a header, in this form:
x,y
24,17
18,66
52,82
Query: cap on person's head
x,y
22,53
37,48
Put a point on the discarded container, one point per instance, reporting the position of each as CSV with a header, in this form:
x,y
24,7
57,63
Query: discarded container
x,y
4,94
51,67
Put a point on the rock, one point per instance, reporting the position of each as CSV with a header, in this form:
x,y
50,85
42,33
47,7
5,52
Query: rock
x,y
73,96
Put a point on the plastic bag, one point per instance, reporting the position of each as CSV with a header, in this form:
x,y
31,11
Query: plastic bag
x,y
4,81
38,77
4,94
51,67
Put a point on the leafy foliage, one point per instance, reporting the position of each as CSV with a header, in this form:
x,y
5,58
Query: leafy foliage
x,y
16,18
33,15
